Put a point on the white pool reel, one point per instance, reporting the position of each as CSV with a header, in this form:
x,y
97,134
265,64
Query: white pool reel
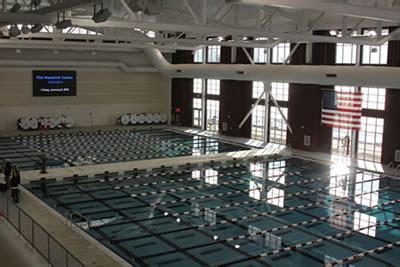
x,y
143,119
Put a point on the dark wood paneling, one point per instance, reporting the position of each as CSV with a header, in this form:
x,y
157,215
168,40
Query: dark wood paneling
x,y
299,57
304,116
182,97
235,102
391,136
182,57
323,53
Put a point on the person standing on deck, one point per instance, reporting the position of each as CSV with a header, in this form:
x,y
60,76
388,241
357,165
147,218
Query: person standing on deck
x,y
15,181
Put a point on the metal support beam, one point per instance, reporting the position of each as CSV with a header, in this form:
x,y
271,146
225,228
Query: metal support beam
x,y
332,7
267,91
62,6
189,8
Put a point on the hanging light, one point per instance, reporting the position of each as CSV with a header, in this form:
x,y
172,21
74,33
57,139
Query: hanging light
x,y
102,15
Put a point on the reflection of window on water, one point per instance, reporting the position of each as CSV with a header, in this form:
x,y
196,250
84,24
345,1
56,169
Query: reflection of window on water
x,y
366,223
268,240
255,190
212,146
339,185
275,171
367,187
341,220
329,259
210,215
196,174
258,169
276,196
211,176
198,146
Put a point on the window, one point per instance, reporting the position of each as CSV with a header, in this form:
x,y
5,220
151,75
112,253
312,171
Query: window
x,y
277,133
373,98
258,88
212,115
258,123
198,86
78,30
214,54
346,53
341,141
280,52
197,112
370,139
198,56
213,87
260,54
280,91
375,54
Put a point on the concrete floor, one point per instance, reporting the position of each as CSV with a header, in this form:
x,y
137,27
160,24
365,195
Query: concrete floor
x,y
15,251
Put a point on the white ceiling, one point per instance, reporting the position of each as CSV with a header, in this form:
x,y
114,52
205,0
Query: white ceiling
x,y
186,24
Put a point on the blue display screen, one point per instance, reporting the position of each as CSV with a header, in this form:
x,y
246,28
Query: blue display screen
x,y
54,83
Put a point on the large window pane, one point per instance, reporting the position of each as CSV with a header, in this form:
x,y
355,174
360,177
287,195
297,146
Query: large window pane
x,y
198,86
370,139
280,52
212,115
278,128
280,91
214,54
375,54
198,56
373,98
258,122
213,87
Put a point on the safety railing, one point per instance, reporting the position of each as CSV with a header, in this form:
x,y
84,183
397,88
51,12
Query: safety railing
x,y
43,242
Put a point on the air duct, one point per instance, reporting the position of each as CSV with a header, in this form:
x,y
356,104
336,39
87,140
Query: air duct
x,y
383,77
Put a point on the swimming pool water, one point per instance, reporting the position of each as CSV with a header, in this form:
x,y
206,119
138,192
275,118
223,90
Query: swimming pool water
x,y
288,212
99,147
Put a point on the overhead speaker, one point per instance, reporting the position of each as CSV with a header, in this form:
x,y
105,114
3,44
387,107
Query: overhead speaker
x,y
15,8
154,7
25,29
36,3
63,24
137,5
14,31
36,28
102,15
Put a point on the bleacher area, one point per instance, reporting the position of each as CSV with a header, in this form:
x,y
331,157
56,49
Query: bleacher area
x,y
68,149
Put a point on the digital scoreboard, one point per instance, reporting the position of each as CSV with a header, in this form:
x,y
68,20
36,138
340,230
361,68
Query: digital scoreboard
x,y
54,83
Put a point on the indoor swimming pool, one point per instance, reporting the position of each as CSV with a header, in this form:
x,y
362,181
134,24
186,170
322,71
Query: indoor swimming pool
x,y
286,212
99,147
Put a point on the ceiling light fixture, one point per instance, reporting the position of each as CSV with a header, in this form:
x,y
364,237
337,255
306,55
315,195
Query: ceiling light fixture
x,y
14,31
63,24
15,8
102,15
333,32
36,28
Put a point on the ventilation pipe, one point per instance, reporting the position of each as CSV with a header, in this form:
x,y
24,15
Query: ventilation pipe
x,y
385,77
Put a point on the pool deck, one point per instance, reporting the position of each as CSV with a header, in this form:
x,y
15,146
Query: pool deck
x,y
88,250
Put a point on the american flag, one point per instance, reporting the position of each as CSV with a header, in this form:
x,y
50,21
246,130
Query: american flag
x,y
341,109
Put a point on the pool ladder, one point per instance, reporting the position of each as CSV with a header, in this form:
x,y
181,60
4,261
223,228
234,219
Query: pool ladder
x,y
69,215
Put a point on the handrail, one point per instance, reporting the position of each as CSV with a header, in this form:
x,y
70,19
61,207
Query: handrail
x,y
46,255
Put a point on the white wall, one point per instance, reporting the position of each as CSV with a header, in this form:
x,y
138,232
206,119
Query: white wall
x,y
101,97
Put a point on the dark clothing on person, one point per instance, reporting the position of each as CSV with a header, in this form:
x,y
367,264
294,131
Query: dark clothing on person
x,y
7,173
7,169
15,181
